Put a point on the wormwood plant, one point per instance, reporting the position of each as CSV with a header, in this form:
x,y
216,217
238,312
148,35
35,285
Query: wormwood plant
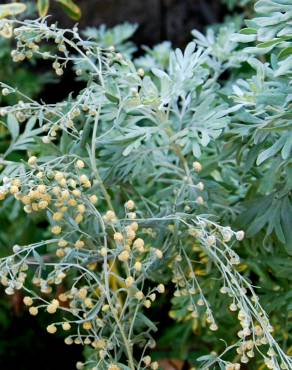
x,y
115,170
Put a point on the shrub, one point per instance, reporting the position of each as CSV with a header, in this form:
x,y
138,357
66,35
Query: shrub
x,y
139,176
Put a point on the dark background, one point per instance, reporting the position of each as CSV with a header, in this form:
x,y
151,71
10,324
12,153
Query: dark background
x,y
159,20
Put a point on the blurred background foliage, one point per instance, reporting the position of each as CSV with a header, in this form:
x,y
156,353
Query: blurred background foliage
x,y
139,29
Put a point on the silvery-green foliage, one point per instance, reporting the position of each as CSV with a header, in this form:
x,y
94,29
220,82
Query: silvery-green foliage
x,y
117,37
263,124
136,134
157,57
219,41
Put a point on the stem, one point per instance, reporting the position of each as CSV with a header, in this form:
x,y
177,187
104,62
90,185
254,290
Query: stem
x,y
94,166
113,311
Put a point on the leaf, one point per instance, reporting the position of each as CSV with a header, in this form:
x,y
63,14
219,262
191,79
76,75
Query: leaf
x,y
248,31
274,149
149,324
38,258
286,222
70,8
13,126
285,66
30,124
285,53
43,7
11,9
287,147
269,43
65,143
112,98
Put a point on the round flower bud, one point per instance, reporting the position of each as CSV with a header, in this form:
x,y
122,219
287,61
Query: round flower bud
x,y
118,237
66,326
158,253
130,205
27,301
114,367
152,297
124,256
132,215
139,295
56,230
211,240
51,329
68,341
83,178
103,251
33,310
81,208
5,91
87,325
57,216
46,139
79,365
62,243
139,244
14,189
200,200
9,291
79,244
82,294
32,161
59,71
233,307
160,288
239,235
110,216
16,248
154,365
138,266
200,302
147,303
213,327
93,199
197,166
141,72
147,360
134,226
200,186
129,281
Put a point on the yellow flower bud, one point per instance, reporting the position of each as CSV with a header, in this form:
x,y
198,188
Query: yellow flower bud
x,y
129,281
33,310
138,266
139,295
51,329
160,288
93,199
80,164
66,326
28,301
87,325
118,237
56,229
197,166
32,161
58,216
130,205
139,245
124,256
62,243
